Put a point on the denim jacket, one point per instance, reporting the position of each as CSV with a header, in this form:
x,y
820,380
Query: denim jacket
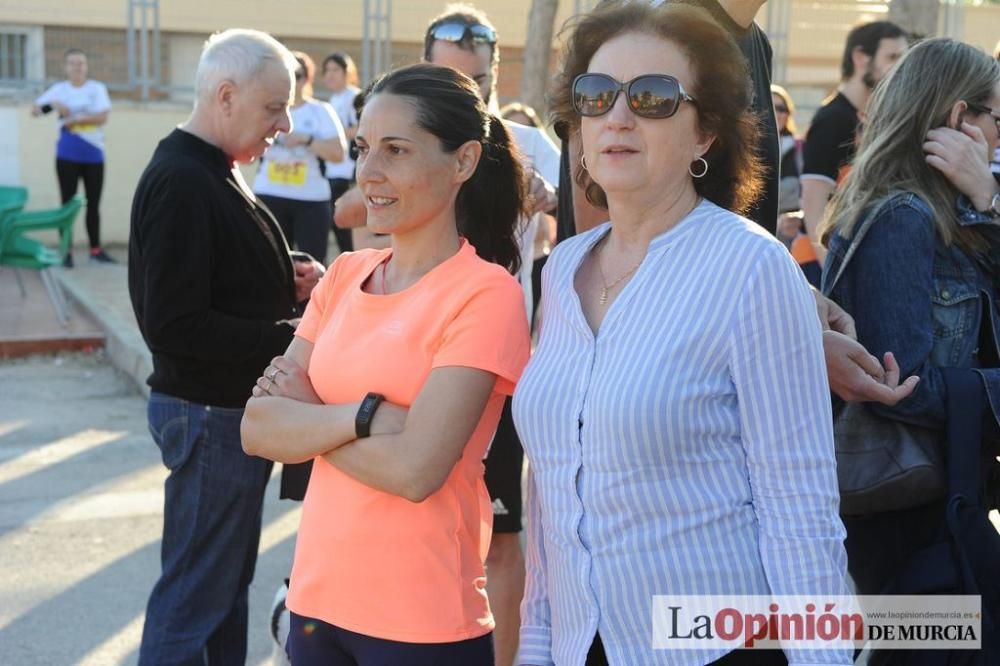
x,y
933,306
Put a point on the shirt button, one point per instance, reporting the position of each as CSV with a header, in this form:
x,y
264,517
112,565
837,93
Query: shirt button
x,y
945,294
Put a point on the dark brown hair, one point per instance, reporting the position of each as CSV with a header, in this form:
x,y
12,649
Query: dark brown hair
x,y
867,37
346,63
308,67
490,204
721,87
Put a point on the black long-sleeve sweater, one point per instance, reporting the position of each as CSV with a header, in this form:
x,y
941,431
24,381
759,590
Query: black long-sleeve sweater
x,y
209,275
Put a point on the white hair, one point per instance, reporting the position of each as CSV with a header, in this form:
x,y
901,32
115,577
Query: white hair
x,y
239,56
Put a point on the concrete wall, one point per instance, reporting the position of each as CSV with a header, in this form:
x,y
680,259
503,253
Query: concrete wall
x,y
131,136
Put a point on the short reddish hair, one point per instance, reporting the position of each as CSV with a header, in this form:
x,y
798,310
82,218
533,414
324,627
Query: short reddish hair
x,y
721,86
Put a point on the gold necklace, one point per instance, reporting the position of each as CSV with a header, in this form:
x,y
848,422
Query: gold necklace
x,y
608,287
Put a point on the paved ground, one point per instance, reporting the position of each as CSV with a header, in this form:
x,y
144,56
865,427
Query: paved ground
x,y
102,291
80,516
29,323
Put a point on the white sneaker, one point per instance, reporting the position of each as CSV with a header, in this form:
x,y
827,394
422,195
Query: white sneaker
x,y
280,624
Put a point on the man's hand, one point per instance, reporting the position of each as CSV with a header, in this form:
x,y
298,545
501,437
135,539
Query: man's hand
x,y
964,159
307,276
857,376
285,378
543,195
833,317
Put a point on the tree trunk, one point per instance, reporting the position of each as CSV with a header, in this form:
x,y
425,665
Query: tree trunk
x,y
918,17
537,52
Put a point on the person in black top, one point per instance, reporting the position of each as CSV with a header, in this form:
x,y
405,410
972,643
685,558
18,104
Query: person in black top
x,y
871,50
736,16
216,294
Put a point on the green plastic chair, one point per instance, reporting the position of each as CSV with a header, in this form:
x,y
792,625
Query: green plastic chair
x,y
18,250
12,196
12,199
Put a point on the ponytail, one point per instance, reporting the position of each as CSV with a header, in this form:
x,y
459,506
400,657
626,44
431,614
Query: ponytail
x,y
491,203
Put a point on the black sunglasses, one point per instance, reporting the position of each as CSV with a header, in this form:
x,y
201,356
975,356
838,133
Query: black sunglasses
x,y
781,109
453,31
649,95
979,108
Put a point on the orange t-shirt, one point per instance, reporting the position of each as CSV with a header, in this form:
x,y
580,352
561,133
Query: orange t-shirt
x,y
375,563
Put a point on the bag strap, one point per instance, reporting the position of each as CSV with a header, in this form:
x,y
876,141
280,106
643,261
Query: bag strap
x,y
859,235
965,431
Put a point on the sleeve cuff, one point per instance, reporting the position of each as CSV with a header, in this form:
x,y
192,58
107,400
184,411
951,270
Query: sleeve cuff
x,y
536,647
968,215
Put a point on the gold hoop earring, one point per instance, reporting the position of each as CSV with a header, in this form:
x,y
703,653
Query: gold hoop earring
x,y
704,171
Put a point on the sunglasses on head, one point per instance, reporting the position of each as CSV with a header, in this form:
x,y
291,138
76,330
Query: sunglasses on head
x,y
453,31
649,95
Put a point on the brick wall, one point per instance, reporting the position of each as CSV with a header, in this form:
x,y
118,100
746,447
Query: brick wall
x,y
107,55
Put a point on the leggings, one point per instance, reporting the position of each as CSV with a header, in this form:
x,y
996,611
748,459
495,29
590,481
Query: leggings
x,y
92,173
338,186
596,657
316,643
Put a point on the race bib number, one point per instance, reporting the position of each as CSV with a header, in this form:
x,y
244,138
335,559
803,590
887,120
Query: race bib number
x,y
287,173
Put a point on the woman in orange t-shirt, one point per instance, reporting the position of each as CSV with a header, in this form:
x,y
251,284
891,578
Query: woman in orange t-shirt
x,y
395,382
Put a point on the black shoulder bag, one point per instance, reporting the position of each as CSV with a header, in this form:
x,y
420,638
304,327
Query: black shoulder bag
x,y
882,464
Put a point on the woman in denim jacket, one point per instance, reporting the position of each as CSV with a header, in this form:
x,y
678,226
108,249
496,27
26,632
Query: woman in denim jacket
x,y
924,279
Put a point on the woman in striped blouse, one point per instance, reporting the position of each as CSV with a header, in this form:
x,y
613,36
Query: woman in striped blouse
x,y
676,413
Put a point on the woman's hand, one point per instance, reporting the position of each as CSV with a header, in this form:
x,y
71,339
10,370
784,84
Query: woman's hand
x,y
964,159
61,109
857,376
832,317
389,419
296,139
284,378
543,195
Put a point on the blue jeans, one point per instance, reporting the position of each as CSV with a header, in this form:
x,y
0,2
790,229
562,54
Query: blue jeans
x,y
197,612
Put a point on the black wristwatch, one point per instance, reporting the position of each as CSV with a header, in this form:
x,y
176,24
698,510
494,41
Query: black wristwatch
x,y
366,412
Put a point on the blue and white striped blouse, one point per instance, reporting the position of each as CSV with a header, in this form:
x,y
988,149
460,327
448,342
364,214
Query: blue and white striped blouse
x,y
686,449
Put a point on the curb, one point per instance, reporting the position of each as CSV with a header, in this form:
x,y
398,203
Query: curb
x,y
125,347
